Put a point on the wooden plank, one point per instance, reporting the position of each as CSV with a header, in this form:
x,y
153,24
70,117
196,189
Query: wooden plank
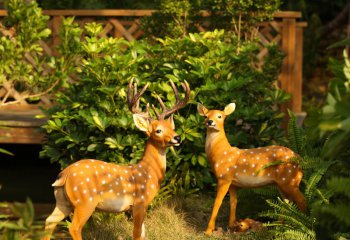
x,y
21,135
122,30
101,12
287,14
133,12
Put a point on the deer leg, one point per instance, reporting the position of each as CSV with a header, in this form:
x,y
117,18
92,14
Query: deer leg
x,y
58,214
81,214
233,204
293,193
223,187
139,213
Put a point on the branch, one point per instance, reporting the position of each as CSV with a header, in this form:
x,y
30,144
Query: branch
x,y
341,17
31,96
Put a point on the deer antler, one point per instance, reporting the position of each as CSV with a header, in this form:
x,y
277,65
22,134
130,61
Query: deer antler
x,y
178,104
133,98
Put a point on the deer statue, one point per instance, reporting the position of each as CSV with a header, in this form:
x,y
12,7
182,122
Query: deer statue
x,y
91,184
246,168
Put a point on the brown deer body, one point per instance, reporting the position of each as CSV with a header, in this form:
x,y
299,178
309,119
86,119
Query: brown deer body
x,y
246,168
91,184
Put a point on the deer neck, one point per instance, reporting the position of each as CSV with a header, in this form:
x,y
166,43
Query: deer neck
x,y
216,143
155,157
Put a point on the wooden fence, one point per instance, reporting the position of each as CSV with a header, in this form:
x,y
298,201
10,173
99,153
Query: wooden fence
x,y
284,29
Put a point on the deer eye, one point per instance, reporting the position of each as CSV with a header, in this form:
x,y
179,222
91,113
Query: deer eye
x,y
219,116
158,131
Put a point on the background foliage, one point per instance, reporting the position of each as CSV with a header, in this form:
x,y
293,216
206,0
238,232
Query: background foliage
x,y
23,66
92,120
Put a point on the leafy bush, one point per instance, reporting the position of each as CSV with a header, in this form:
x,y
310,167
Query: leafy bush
x,y
92,120
24,68
178,18
335,119
25,226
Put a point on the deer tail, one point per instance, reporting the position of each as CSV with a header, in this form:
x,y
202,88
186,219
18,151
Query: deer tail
x,y
61,178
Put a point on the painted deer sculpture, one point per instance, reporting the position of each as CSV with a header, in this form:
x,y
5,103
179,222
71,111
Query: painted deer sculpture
x,y
91,184
237,168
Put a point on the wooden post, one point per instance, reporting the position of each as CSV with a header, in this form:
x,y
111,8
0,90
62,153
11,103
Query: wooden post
x,y
288,65
56,24
298,72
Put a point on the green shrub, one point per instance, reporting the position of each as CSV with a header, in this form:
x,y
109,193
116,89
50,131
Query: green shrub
x,y
91,118
176,18
24,67
21,224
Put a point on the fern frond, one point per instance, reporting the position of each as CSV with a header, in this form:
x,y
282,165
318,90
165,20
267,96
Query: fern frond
x,y
296,235
341,211
295,139
315,178
288,217
340,185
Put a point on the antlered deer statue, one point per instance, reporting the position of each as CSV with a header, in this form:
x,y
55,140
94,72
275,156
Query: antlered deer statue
x,y
91,184
246,168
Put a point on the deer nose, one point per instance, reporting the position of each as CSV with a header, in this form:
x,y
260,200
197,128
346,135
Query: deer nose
x,y
178,139
210,122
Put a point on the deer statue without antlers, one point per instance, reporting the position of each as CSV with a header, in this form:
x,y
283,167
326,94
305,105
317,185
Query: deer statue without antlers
x,y
246,168
91,184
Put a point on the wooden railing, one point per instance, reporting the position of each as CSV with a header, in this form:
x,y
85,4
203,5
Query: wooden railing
x,y
284,30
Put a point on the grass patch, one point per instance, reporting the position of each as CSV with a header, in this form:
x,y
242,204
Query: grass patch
x,y
176,219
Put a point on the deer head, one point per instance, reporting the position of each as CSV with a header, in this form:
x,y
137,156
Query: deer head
x,y
214,119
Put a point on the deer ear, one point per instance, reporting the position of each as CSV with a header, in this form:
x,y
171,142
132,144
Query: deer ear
x,y
202,110
142,123
171,121
230,108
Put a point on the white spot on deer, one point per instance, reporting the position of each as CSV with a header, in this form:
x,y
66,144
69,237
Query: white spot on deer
x,y
257,158
267,149
152,186
75,188
109,175
116,183
149,176
269,174
96,172
81,172
126,171
289,170
225,153
216,165
77,164
74,174
235,166
124,191
94,190
277,170
87,166
295,166
103,182
88,179
244,170
253,165
140,174
228,169
142,186
283,179
110,190
244,160
90,199
84,191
